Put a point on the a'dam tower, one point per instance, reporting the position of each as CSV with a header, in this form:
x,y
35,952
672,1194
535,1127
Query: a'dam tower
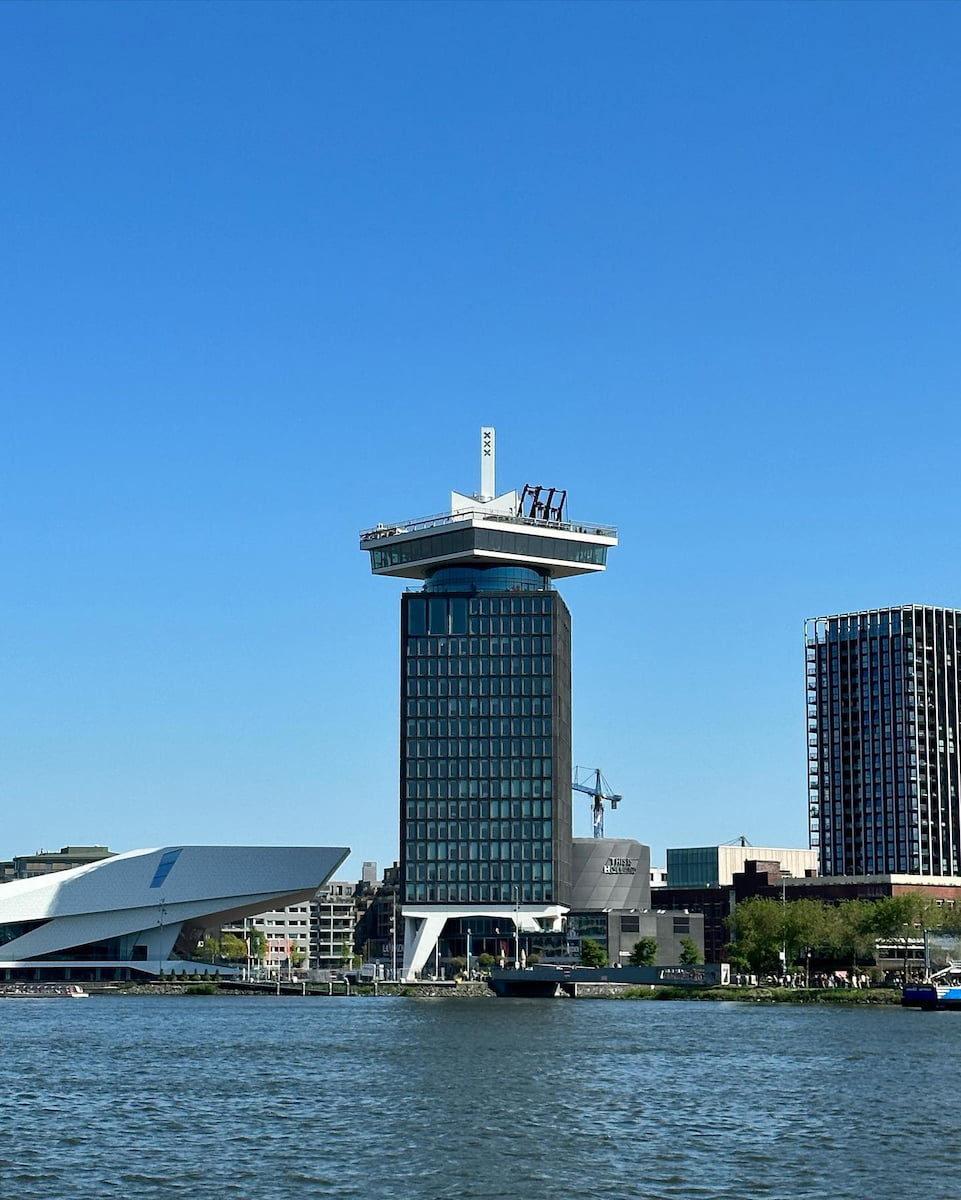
x,y
485,737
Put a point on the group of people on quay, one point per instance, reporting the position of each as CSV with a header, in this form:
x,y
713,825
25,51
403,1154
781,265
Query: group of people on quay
x,y
823,980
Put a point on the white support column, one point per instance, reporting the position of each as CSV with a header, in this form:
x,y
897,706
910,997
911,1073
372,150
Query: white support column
x,y
421,935
424,926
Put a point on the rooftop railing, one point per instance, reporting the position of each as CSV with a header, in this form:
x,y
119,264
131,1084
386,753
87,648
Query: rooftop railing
x,y
421,524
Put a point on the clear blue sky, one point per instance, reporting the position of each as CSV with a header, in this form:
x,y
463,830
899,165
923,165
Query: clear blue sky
x,y
267,268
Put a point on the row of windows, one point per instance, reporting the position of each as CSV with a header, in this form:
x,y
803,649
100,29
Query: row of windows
x,y
483,706
509,606
449,852
477,727
878,627
462,789
434,546
484,747
475,893
501,626
483,646
462,667
436,614
478,768
853,677
473,810
497,872
865,715
856,626
528,685
867,690
532,546
588,925
443,616
477,830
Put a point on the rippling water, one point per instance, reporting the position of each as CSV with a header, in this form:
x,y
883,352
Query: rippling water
x,y
275,1098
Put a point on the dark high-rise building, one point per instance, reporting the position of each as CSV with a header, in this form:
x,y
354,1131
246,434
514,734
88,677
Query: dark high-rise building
x,y
485,738
883,720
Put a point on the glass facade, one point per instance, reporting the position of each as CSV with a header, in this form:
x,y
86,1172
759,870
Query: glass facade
x,y
884,774
485,741
486,579
693,866
502,541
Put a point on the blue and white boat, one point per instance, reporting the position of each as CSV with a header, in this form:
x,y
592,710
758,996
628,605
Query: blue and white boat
x,y
940,990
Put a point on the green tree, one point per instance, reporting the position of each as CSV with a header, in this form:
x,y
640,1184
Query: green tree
x,y
257,940
757,925
643,952
849,930
593,954
233,948
898,916
485,961
690,955
209,949
901,919
805,926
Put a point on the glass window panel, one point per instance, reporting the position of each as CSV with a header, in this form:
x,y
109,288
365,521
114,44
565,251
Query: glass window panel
x,y
437,615
416,617
458,616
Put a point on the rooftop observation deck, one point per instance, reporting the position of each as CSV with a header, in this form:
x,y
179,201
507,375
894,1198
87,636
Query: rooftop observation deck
x,y
482,537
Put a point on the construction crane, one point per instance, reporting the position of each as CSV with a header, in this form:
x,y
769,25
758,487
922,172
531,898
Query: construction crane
x,y
600,789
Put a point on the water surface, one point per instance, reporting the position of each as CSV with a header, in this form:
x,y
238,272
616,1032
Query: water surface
x,y
274,1098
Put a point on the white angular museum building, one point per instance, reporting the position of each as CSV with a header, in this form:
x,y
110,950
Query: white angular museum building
x,y
141,913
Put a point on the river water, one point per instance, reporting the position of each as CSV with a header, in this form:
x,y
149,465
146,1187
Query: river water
x,y
274,1098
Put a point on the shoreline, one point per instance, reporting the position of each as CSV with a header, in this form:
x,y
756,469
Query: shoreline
x,y
840,997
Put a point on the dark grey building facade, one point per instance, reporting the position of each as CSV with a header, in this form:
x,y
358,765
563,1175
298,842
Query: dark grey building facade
x,y
486,740
884,776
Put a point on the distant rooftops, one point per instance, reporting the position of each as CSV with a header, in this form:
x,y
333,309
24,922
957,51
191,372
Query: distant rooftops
x,y
28,866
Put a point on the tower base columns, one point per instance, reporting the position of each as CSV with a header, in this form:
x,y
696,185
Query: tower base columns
x,y
423,927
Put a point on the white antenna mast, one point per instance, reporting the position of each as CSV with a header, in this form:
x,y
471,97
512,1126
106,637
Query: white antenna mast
x,y
487,491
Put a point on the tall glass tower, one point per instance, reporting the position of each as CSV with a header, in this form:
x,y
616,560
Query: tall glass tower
x,y
485,738
884,718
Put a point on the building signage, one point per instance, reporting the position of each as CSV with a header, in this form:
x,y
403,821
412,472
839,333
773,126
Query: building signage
x,y
620,866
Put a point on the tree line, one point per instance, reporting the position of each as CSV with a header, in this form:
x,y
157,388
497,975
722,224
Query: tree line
x,y
762,928
643,953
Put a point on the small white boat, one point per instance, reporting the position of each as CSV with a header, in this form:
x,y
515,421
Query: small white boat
x,y
43,991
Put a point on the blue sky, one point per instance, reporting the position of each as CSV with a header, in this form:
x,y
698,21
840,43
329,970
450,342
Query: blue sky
x,y
266,270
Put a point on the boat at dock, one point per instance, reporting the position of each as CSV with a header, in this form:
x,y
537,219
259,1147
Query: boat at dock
x,y
551,980
43,991
942,990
